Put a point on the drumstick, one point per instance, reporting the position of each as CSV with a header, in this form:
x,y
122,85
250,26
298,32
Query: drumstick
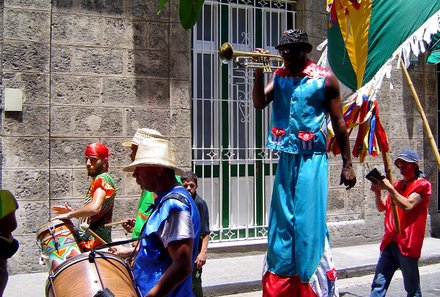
x,y
97,237
115,223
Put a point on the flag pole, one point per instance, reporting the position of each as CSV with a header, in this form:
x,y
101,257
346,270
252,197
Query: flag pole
x,y
422,113
386,164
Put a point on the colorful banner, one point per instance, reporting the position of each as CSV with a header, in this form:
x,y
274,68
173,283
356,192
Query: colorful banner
x,y
363,35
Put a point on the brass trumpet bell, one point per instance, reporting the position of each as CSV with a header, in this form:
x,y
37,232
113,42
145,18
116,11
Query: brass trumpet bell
x,y
248,59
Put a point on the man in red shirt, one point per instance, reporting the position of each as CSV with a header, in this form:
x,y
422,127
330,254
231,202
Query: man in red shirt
x,y
402,250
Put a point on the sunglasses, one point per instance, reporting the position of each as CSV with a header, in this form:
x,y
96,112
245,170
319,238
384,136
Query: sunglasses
x,y
289,50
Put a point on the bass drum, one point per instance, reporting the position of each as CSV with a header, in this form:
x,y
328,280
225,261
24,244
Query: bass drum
x,y
92,274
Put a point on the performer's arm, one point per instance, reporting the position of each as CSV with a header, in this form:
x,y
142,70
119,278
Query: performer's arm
x,y
348,177
261,95
88,210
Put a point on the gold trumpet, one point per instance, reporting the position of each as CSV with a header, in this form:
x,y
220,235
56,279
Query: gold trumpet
x,y
247,59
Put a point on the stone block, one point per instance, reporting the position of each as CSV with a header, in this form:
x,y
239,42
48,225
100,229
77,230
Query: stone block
x,y
75,29
98,61
124,91
158,36
28,152
32,121
180,124
109,7
69,152
27,185
34,4
156,119
183,151
180,66
27,257
124,208
124,33
26,25
25,56
147,10
94,122
61,121
181,39
63,5
180,94
60,183
336,201
31,215
76,90
80,183
35,86
62,59
148,63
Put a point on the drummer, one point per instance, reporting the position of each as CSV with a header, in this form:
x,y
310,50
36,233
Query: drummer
x,y
98,204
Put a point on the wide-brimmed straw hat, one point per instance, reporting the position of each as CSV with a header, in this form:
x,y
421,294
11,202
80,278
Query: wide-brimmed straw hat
x,y
140,135
156,152
295,37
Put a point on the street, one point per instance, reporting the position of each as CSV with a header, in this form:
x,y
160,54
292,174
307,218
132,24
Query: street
x,y
360,286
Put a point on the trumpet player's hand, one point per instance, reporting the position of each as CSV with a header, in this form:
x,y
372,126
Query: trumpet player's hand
x,y
259,51
128,225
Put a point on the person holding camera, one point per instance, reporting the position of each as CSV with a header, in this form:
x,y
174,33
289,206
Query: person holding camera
x,y
402,250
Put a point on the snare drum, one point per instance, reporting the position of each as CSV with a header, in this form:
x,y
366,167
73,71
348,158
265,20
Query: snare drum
x,y
58,242
92,274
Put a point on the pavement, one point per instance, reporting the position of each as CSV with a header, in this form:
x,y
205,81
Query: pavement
x,y
238,274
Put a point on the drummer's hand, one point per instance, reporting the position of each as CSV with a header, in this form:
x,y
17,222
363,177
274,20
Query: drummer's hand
x,y
121,250
64,216
128,225
62,208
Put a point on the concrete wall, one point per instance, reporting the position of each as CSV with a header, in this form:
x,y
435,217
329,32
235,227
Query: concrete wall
x,y
89,71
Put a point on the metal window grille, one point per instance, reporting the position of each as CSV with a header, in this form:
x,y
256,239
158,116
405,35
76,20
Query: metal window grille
x,y
235,169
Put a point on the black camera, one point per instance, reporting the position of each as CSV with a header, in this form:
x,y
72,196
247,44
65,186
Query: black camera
x,y
374,174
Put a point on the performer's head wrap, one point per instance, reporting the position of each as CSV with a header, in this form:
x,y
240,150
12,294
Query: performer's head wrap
x,y
97,150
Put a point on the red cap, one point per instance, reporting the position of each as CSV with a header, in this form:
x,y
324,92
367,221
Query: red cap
x,y
97,149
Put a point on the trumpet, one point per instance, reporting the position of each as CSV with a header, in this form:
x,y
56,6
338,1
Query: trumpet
x,y
247,59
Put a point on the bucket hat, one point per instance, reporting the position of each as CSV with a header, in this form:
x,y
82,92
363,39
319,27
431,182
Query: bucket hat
x,y
156,152
295,37
408,155
140,135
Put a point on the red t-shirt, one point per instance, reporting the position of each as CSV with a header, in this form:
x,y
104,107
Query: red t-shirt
x,y
412,223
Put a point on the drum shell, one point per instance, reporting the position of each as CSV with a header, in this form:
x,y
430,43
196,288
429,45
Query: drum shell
x,y
80,277
64,233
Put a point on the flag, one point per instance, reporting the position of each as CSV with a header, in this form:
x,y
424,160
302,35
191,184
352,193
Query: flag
x,y
364,37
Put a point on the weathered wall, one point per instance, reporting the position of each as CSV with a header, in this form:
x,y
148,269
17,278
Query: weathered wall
x,y
90,71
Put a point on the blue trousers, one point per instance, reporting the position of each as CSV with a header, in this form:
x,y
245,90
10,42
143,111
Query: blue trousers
x,y
390,260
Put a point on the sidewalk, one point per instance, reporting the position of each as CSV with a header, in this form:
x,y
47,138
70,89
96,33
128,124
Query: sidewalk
x,y
234,275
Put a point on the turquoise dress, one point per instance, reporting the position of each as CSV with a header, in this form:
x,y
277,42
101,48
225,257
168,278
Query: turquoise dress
x,y
297,220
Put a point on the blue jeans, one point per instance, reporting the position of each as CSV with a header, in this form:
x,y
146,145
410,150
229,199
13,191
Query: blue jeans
x,y
390,260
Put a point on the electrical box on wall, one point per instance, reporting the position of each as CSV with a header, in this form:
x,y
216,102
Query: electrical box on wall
x,y
13,99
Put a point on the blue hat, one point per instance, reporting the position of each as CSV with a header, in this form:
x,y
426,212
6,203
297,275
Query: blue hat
x,y
408,155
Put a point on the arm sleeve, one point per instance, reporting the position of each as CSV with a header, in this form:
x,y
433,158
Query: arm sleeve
x,y
178,226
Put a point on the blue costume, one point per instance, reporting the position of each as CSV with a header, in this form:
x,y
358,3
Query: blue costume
x,y
298,237
153,259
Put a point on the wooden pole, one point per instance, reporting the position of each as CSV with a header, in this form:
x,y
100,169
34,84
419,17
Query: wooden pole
x,y
387,166
422,113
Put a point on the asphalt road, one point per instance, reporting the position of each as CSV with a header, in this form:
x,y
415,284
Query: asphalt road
x,y
360,286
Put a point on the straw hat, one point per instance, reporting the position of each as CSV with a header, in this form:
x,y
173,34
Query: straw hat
x,y
155,152
140,135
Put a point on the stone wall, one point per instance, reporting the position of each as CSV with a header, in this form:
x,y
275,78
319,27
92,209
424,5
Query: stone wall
x,y
89,71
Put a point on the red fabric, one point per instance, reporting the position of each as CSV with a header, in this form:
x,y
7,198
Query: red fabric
x,y
412,223
285,286
98,150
